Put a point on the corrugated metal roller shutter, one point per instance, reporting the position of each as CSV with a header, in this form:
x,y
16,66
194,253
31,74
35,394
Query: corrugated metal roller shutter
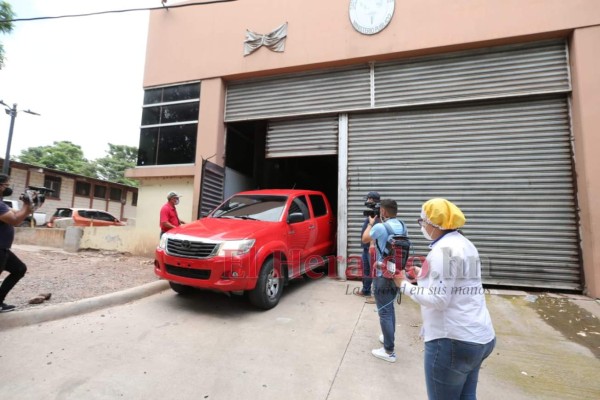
x,y
497,72
211,192
508,166
299,94
302,137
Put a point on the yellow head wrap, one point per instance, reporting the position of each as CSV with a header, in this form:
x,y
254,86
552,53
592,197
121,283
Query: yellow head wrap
x,y
443,214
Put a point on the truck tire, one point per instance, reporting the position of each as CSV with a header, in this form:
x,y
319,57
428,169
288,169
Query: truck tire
x,y
269,287
181,289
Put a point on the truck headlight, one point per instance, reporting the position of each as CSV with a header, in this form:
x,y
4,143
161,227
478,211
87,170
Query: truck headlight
x,y
236,247
162,244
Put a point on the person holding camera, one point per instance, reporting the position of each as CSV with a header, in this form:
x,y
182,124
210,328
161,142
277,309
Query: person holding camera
x,y
457,327
9,262
385,290
368,253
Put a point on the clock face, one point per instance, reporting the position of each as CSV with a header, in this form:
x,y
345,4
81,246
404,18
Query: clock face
x,y
371,16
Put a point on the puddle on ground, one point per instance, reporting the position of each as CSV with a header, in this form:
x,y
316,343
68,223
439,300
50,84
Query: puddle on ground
x,y
575,323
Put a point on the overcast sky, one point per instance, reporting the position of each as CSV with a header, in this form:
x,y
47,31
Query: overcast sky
x,y
83,75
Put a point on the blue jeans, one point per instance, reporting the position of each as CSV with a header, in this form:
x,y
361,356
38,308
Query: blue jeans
x,y
366,270
385,296
452,368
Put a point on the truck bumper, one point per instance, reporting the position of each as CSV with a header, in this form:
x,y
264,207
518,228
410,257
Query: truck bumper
x,y
225,274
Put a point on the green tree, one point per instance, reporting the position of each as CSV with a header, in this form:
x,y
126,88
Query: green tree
x,y
6,14
63,156
112,167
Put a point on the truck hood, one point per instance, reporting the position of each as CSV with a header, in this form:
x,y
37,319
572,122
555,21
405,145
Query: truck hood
x,y
219,229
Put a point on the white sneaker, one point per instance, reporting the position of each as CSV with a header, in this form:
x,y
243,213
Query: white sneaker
x,y
382,354
381,338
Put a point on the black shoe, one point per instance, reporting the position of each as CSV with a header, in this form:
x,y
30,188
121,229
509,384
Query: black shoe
x,y
6,307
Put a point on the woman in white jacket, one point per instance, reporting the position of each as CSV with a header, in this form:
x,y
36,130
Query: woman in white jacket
x,y
457,328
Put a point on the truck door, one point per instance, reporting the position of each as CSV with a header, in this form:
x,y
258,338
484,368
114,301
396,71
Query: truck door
x,y
324,225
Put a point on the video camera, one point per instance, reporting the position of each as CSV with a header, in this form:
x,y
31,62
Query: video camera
x,y
374,209
35,195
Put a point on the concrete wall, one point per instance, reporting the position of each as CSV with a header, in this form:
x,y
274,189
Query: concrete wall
x,y
585,71
129,211
116,238
40,236
211,130
153,195
142,238
191,43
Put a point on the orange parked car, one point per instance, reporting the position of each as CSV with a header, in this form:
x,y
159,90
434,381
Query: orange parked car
x,y
83,217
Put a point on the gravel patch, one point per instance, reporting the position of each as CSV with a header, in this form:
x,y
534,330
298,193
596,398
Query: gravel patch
x,y
75,276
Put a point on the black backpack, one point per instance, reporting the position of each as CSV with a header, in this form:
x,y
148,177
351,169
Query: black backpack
x,y
397,247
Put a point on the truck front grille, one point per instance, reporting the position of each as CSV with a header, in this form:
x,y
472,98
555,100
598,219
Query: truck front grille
x,y
188,272
190,248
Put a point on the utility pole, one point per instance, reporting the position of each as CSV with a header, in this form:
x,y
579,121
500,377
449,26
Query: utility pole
x,y
13,114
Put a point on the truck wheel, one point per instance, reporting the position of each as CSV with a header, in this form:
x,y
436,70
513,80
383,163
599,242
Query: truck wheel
x,y
268,289
181,289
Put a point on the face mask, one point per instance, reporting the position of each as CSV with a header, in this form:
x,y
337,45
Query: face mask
x,y
425,234
7,192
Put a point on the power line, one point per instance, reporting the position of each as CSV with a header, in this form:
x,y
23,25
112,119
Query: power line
x,y
116,11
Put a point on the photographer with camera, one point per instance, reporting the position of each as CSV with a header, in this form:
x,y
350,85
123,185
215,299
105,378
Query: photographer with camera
x,y
9,262
385,290
368,253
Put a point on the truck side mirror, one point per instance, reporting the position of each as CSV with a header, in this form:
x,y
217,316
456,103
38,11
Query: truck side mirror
x,y
295,217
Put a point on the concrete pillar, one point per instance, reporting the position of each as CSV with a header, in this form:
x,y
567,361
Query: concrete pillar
x,y
73,236
585,64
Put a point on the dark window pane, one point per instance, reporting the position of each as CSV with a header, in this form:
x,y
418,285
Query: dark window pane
x,y
262,208
318,205
85,214
134,199
299,205
151,115
181,92
152,96
63,212
104,217
100,192
52,182
177,144
115,194
82,189
304,206
169,144
179,112
148,146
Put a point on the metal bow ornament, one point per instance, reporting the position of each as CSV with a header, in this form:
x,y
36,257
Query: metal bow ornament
x,y
274,41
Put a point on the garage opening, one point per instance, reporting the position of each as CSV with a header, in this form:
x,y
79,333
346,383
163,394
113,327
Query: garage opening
x,y
250,166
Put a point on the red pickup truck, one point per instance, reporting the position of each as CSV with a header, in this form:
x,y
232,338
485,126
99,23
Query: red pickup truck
x,y
256,241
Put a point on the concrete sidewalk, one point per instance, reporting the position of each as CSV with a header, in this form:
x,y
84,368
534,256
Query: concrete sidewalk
x,y
548,345
33,316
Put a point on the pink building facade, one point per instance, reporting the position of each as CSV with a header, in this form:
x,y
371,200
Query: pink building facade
x,y
491,104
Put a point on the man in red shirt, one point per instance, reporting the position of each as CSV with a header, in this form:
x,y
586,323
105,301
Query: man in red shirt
x,y
168,214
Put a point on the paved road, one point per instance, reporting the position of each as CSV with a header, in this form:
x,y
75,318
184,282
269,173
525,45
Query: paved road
x,y
314,345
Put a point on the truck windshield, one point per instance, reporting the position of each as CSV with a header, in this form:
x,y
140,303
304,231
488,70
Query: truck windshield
x,y
259,207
